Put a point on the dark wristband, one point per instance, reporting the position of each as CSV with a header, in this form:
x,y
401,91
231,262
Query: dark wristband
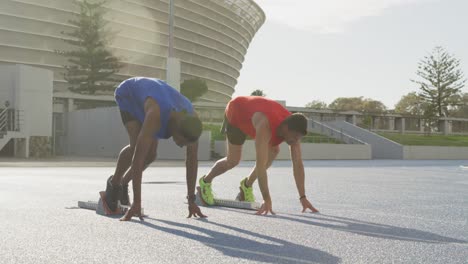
x,y
191,198
302,197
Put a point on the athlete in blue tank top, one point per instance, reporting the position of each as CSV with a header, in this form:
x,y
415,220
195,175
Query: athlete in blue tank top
x,y
152,110
132,93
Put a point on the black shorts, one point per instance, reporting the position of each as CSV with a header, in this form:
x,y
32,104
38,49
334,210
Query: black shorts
x,y
234,135
127,117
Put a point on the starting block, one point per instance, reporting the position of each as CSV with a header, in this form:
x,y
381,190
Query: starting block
x,y
228,203
101,207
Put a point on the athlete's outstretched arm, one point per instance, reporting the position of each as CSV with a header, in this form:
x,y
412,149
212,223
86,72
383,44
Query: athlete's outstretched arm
x,y
262,139
299,176
191,164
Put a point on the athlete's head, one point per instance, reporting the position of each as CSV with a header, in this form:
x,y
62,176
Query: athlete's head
x,y
188,130
294,128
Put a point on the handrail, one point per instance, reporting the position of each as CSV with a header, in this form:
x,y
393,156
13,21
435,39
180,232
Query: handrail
x,y
18,120
3,119
331,132
11,120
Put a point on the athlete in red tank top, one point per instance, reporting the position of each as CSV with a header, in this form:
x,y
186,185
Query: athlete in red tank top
x,y
269,123
239,114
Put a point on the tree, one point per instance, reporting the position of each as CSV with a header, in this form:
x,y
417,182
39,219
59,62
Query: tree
x,y
441,80
461,110
430,119
193,89
347,104
366,106
373,106
359,104
92,64
411,104
258,93
316,104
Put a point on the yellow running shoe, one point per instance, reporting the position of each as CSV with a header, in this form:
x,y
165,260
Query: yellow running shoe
x,y
246,192
206,192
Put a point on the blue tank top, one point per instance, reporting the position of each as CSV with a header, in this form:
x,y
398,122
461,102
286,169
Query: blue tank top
x,y
132,93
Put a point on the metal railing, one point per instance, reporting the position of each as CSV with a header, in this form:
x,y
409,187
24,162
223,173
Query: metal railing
x,y
17,120
3,120
10,120
317,127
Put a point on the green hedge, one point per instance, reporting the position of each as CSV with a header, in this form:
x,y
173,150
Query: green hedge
x,y
215,131
427,140
318,139
310,138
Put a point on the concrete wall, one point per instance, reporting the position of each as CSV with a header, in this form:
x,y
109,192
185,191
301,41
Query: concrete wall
x,y
28,90
7,84
435,153
99,132
382,148
34,88
310,151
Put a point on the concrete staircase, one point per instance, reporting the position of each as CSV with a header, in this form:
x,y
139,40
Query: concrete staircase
x,y
382,148
3,128
323,129
9,126
4,138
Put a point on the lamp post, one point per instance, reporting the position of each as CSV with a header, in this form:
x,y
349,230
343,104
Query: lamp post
x,y
172,64
171,28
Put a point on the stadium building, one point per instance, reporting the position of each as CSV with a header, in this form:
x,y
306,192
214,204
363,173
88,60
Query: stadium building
x,y
211,38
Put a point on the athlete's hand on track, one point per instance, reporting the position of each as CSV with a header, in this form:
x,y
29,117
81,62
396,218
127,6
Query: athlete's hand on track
x,y
265,208
135,210
195,211
307,205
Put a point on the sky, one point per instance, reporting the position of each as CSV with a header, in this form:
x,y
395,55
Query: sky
x,y
324,49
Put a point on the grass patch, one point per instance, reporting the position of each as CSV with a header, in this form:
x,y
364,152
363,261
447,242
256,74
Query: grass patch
x,y
215,131
427,140
310,138
318,138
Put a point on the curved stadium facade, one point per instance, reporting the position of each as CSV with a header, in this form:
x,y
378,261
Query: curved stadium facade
x,y
211,37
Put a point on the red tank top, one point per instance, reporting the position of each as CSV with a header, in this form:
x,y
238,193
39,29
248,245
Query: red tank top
x,y
240,110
